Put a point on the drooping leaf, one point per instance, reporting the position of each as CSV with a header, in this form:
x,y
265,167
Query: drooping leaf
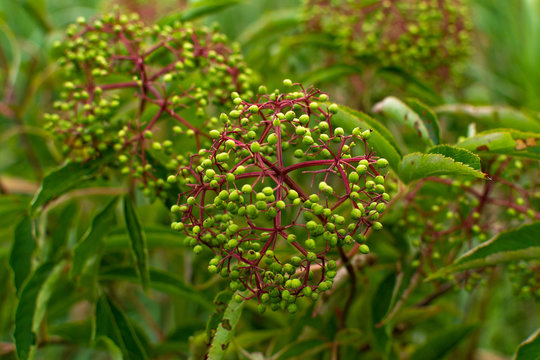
x,y
66,178
493,116
429,118
417,165
306,347
529,349
396,110
31,307
60,233
458,154
159,280
380,304
439,345
381,139
23,246
138,242
509,246
500,142
112,323
92,241
225,330
506,141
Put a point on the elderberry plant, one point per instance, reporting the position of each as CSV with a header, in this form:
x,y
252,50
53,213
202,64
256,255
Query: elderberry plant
x,y
279,194
137,88
428,37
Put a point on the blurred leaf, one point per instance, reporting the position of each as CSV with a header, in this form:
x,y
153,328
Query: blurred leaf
x,y
22,248
381,139
529,349
92,241
492,116
199,9
225,330
250,338
302,348
428,117
509,246
458,154
419,87
138,242
328,73
380,304
269,25
394,109
60,232
417,165
78,332
156,236
439,345
505,141
112,323
66,178
31,308
114,351
159,280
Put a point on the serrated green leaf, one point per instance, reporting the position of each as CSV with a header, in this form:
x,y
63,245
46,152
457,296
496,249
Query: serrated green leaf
x,y
31,307
225,330
138,242
112,323
439,345
428,117
512,245
92,241
159,280
493,116
417,166
381,139
23,246
458,154
529,349
396,110
66,178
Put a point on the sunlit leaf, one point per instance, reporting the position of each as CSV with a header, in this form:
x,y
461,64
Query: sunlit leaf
x,y
458,154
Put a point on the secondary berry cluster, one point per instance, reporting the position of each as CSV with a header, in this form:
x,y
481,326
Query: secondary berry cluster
x,y
428,37
135,88
280,190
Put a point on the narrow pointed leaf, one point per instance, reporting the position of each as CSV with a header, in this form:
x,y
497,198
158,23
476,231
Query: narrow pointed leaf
x,y
522,243
138,242
112,323
92,241
440,344
23,246
159,280
529,349
417,165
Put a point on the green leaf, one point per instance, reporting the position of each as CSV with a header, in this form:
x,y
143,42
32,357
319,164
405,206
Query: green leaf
x,y
270,25
500,142
199,9
493,116
429,118
78,332
92,241
302,348
23,246
138,242
458,154
440,344
506,141
417,165
66,178
225,330
529,349
156,236
394,109
381,139
159,280
328,73
60,232
31,307
509,246
380,304
112,323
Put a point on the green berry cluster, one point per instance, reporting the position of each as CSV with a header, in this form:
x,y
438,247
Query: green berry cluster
x,y
525,279
135,89
426,37
279,192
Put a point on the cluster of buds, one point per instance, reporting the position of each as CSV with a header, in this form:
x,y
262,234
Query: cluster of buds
x,y
132,87
278,193
428,37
